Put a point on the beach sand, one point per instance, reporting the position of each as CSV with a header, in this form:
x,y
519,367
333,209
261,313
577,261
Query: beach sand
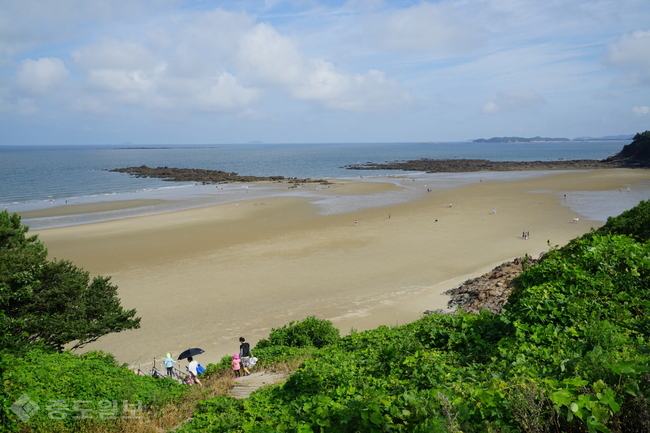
x,y
204,277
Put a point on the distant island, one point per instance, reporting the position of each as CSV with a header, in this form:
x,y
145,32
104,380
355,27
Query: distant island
x,y
547,139
517,139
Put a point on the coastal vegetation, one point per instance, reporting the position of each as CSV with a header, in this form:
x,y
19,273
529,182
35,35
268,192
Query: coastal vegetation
x,y
568,353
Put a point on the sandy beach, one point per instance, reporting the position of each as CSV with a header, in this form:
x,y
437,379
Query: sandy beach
x,y
204,277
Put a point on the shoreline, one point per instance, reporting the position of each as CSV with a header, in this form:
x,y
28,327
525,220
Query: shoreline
x,y
207,275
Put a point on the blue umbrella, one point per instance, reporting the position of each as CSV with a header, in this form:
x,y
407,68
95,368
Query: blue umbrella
x,y
190,352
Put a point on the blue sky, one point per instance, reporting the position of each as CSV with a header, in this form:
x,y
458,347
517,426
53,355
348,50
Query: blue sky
x,y
201,72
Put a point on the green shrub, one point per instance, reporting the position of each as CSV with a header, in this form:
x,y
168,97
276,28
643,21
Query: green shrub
x,y
92,382
304,333
634,223
221,414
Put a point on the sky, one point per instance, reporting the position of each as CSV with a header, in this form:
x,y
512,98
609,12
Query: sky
x,y
309,71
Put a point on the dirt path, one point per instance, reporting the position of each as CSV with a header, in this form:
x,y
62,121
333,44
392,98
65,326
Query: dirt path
x,y
245,385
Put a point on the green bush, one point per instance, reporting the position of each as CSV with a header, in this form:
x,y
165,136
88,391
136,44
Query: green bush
x,y
92,382
634,223
304,333
221,414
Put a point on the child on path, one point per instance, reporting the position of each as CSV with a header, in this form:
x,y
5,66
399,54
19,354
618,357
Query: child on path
x,y
236,365
169,363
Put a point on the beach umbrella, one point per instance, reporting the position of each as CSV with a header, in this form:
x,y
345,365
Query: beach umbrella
x,y
190,352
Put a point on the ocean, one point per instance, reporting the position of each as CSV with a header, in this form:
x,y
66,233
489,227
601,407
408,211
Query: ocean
x,y
39,177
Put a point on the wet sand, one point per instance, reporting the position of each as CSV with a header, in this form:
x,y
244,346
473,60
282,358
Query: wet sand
x,y
79,209
204,277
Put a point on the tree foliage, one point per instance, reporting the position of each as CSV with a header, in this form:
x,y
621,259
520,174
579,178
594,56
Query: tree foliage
x,y
51,302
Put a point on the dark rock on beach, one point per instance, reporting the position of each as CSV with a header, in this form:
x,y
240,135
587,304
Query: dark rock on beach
x,y
172,174
490,291
471,165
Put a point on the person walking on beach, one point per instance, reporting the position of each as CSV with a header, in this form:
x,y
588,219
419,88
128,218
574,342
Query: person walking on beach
x,y
236,365
356,222
169,363
192,368
244,354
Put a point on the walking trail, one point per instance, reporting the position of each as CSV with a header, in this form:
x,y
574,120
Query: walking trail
x,y
245,385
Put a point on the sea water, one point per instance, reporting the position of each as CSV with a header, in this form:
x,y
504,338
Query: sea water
x,y
38,177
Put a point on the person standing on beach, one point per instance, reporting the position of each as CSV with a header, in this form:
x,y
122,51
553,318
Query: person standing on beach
x,y
244,354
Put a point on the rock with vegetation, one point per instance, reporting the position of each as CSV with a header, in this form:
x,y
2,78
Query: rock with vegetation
x,y
490,291
173,174
472,165
635,154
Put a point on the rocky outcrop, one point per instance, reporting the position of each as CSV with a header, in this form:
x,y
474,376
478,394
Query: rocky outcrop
x,y
471,165
490,291
206,176
635,154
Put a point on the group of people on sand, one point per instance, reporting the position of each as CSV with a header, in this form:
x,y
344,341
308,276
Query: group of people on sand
x,y
525,235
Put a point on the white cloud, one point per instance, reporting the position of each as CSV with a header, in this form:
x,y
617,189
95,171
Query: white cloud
x,y
111,53
362,92
40,76
225,94
423,27
641,111
268,58
632,53
490,108
215,61
508,101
